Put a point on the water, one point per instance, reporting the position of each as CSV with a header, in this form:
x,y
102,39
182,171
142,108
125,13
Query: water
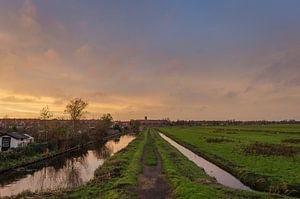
x,y
222,176
69,170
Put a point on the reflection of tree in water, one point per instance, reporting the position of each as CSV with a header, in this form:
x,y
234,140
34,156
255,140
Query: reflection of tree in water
x,y
102,152
77,155
50,173
62,171
117,140
67,176
69,170
73,177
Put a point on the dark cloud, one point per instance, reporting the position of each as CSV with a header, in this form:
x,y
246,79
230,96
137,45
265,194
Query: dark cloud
x,y
231,95
284,70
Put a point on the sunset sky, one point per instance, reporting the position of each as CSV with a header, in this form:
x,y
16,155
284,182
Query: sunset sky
x,y
233,59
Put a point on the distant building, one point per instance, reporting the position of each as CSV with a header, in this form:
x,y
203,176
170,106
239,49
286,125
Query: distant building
x,y
148,122
14,140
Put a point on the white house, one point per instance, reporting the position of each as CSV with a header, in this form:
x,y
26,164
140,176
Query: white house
x,y
14,140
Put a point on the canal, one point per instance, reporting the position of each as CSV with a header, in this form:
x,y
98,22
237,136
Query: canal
x,y
69,170
222,176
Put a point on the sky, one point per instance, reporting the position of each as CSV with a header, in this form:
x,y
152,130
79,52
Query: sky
x,y
198,60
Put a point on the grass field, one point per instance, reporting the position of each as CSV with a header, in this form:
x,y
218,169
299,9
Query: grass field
x,y
263,157
188,181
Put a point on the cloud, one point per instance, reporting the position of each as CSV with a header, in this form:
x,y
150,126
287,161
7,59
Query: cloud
x,y
171,67
280,68
84,51
48,58
28,18
51,55
5,39
231,95
18,100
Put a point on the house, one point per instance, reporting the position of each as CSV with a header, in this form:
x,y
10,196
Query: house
x,y
14,140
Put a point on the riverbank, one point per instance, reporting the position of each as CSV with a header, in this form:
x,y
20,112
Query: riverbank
x,y
118,171
228,147
7,166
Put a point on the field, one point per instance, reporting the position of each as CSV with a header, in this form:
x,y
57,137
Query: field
x,y
265,157
119,177
190,181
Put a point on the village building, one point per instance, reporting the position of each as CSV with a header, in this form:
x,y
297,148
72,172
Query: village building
x,y
14,140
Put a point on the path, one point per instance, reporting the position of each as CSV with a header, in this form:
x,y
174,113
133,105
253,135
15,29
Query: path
x,y
152,184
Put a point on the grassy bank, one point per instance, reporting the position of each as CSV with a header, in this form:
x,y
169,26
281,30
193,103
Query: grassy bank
x,y
190,181
20,156
112,179
150,157
35,152
264,157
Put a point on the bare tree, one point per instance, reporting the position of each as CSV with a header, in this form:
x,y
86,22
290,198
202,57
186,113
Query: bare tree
x,y
75,109
45,114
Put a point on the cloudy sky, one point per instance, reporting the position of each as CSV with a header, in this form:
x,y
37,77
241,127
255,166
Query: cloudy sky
x,y
232,59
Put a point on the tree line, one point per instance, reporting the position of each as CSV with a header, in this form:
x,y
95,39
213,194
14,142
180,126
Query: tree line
x,y
58,133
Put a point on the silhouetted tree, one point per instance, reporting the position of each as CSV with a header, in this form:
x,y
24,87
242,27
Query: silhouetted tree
x,y
45,114
104,124
75,109
135,126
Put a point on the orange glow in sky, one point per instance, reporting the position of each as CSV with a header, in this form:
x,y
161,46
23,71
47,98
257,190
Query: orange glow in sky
x,y
197,60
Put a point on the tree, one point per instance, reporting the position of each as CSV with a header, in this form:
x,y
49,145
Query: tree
x,y
117,127
104,124
106,120
75,109
135,126
45,114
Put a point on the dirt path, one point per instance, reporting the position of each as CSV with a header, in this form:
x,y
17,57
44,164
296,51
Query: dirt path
x,y
152,184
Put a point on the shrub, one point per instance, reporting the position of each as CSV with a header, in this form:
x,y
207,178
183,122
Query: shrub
x,y
271,149
218,140
21,152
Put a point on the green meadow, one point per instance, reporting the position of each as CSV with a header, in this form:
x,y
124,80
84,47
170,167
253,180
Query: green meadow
x,y
188,181
265,157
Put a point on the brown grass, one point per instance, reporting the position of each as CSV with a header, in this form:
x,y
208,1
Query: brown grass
x,y
271,149
293,141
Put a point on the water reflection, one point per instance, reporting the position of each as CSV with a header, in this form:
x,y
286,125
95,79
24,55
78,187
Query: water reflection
x,y
69,170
